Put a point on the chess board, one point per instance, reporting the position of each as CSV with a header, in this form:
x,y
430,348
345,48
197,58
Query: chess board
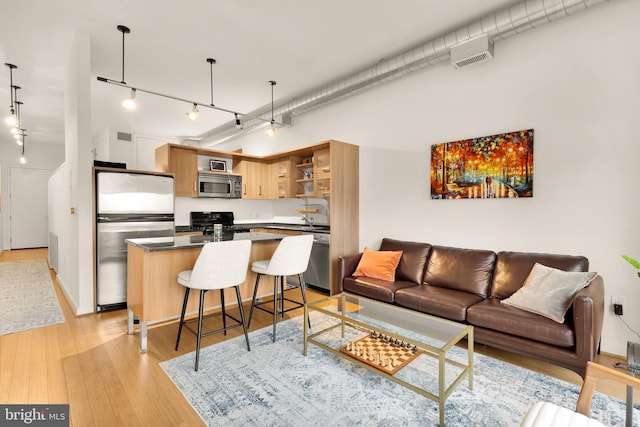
x,y
396,357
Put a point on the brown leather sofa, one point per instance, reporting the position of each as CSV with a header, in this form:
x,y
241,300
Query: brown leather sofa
x,y
467,285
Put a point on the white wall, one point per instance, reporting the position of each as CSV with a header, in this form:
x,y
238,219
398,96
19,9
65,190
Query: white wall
x,y
139,153
75,268
575,81
39,156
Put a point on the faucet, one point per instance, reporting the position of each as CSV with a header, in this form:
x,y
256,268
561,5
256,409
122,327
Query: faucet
x,y
306,220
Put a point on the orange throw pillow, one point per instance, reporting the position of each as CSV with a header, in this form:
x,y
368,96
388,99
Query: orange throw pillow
x,y
378,264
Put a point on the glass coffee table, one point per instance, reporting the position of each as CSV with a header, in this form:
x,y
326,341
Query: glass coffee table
x,y
405,346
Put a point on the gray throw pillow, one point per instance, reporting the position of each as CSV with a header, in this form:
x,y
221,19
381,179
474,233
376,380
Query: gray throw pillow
x,y
549,292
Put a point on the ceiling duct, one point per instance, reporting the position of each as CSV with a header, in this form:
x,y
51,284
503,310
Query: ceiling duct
x,y
472,51
499,25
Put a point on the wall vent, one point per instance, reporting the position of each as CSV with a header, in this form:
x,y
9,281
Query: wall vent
x,y
122,136
473,51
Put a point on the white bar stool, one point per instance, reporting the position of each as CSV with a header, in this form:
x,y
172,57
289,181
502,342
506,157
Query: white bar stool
x,y
291,257
220,265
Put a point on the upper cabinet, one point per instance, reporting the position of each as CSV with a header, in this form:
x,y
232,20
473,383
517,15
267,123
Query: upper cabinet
x,y
183,164
257,178
286,175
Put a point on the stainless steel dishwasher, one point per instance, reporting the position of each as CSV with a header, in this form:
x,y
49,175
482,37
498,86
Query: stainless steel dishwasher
x,y
318,273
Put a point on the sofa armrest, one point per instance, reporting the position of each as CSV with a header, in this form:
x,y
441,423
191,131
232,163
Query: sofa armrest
x,y
588,314
346,267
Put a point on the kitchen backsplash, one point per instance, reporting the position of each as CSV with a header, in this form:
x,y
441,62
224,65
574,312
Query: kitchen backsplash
x,y
247,211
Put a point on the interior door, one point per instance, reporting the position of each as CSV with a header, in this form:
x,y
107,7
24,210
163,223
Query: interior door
x,y
29,227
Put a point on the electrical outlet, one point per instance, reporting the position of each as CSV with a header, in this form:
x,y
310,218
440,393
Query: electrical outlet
x,y
618,303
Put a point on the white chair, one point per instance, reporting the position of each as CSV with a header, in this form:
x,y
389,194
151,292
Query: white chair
x,y
290,258
544,414
220,265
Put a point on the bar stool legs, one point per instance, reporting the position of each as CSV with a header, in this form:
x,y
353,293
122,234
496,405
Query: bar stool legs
x,y
277,298
201,317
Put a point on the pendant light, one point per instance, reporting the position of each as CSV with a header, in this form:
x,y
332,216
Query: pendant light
x,y
270,130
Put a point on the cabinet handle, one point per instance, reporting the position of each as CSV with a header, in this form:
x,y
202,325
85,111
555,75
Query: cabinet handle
x,y
259,190
195,186
244,192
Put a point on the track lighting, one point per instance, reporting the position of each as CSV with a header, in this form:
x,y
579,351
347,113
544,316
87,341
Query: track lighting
x,y
270,130
129,103
194,113
14,117
11,120
23,159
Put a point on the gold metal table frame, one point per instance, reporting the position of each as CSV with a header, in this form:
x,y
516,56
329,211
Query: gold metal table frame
x,y
356,312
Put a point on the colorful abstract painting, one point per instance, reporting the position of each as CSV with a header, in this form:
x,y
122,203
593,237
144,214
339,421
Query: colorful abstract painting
x,y
496,166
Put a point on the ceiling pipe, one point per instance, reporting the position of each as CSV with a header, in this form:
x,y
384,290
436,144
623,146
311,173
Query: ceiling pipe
x,y
499,25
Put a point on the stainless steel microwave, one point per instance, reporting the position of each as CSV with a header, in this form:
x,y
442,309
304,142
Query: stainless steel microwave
x,y
219,185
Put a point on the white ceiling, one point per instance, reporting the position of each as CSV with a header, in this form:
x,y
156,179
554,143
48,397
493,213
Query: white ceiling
x,y
300,44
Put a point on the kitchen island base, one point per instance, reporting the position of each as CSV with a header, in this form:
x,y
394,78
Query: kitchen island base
x,y
153,293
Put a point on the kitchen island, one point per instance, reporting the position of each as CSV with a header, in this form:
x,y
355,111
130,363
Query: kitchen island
x,y
153,264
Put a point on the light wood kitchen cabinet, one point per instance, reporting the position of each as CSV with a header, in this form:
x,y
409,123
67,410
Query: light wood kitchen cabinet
x,y
286,174
322,172
258,181
329,169
183,164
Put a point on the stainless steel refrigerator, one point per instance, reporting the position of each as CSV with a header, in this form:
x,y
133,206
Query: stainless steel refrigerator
x,y
128,205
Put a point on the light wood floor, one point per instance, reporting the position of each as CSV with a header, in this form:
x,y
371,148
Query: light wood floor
x,y
91,363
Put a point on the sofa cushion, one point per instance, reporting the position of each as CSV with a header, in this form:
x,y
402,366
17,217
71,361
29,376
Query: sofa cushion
x,y
491,314
548,291
378,264
442,302
381,290
465,270
512,269
413,261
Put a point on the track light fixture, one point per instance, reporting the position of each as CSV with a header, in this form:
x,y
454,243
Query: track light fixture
x,y
130,103
23,158
193,114
270,130
239,125
20,137
11,120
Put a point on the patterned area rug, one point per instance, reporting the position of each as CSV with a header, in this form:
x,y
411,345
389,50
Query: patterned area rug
x,y
275,385
27,297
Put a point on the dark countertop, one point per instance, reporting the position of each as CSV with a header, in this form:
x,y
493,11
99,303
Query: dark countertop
x,y
271,225
152,244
